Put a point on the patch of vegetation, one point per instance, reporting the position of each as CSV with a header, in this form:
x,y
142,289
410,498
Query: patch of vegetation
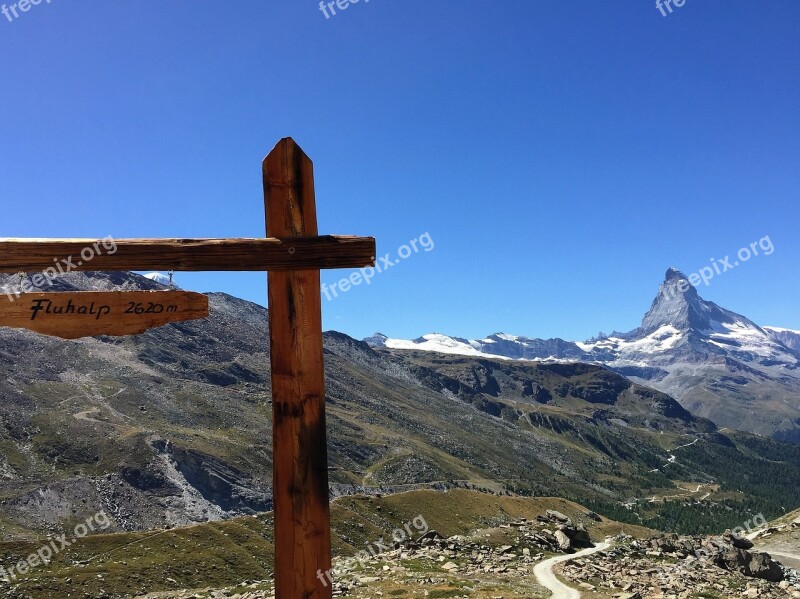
x,y
222,554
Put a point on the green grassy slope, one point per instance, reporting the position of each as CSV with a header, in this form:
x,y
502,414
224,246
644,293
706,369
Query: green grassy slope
x,y
226,553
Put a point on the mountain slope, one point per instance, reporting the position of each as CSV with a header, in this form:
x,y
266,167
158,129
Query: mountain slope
x,y
174,426
718,364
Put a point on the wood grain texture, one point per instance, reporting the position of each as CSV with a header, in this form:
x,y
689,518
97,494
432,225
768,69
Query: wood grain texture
x,y
300,451
79,314
329,251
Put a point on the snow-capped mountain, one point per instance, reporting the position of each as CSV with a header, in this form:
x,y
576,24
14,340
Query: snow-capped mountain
x,y
717,363
160,278
788,337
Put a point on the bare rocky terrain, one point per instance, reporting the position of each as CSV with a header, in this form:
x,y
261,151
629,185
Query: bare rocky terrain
x,y
657,567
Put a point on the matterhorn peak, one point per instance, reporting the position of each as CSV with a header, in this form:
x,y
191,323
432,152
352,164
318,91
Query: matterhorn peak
x,y
674,274
677,304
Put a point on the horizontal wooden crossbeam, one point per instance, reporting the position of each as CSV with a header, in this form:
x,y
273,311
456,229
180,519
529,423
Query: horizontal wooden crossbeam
x,y
270,254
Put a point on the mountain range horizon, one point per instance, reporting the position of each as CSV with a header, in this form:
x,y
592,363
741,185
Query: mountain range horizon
x,y
714,361
671,273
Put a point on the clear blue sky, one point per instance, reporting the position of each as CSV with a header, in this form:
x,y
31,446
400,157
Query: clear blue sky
x,y
561,155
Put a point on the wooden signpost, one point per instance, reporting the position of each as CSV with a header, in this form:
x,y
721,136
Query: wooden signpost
x,y
88,314
293,256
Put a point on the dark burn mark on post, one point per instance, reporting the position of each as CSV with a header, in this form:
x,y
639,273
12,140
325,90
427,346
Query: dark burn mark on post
x,y
317,445
279,412
284,410
297,197
290,302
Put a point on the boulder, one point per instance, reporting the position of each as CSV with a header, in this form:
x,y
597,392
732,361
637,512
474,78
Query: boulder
x,y
578,535
563,541
755,565
558,517
596,517
737,541
663,545
432,535
763,566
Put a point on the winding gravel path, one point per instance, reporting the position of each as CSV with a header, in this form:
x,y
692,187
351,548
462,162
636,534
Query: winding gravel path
x,y
546,578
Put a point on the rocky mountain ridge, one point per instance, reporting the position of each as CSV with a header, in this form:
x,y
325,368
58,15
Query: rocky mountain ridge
x,y
715,362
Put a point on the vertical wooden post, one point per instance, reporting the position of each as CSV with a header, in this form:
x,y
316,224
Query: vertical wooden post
x,y
300,452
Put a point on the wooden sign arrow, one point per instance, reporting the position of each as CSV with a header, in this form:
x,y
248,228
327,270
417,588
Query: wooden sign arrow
x,y
87,314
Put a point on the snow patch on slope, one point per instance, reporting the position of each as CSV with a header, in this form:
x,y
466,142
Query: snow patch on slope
x,y
664,338
442,344
742,337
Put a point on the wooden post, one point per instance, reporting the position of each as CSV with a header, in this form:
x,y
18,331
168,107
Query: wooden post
x,y
300,452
